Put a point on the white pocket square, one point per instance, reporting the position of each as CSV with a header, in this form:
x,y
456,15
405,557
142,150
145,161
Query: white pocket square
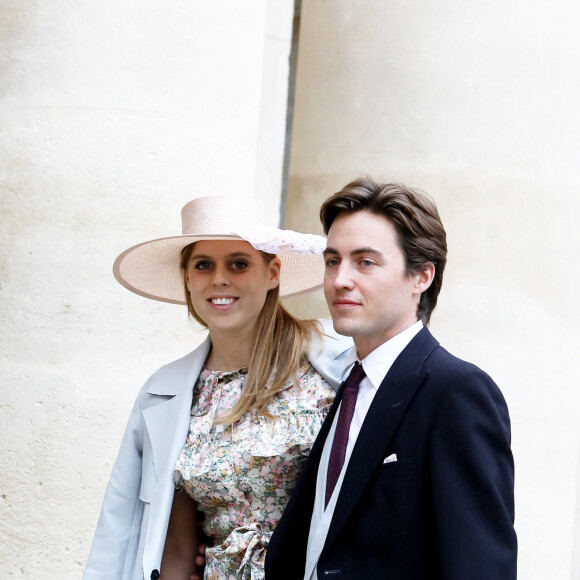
x,y
391,458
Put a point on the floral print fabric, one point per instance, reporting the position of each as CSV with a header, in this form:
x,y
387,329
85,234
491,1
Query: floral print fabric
x,y
242,474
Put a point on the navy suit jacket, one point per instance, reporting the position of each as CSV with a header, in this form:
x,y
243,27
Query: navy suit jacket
x,y
443,511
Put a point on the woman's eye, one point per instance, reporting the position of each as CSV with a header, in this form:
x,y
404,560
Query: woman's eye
x,y
202,265
239,265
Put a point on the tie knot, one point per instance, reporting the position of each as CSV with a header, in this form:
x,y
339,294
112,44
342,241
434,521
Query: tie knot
x,y
356,375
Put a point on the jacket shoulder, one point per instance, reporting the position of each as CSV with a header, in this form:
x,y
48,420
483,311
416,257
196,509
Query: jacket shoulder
x,y
455,379
328,352
441,363
330,345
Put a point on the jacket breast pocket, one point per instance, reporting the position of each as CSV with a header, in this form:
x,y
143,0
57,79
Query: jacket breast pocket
x,y
403,467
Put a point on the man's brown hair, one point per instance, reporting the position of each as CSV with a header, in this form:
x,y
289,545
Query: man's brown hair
x,y
420,233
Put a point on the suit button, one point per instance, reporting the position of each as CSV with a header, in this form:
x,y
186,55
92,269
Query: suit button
x,y
155,575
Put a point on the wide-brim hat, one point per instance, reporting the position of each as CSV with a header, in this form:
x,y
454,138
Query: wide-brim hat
x,y
153,269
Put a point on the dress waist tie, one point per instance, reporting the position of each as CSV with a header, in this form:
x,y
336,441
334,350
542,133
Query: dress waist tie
x,y
247,546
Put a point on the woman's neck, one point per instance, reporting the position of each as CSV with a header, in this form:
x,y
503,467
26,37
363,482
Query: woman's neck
x,y
228,352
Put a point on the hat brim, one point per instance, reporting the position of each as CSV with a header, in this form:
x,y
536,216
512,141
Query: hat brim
x,y
153,269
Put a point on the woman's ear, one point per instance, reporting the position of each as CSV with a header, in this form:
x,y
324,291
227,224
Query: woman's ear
x,y
274,271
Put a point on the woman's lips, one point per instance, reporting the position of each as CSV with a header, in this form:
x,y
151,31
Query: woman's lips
x,y
222,300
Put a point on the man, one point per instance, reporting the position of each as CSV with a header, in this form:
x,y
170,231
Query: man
x,y
411,476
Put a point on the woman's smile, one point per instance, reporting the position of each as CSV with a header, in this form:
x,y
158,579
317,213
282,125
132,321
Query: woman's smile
x,y
223,300
228,281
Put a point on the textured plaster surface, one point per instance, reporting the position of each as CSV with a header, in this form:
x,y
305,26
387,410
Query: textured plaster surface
x,y
112,116
476,103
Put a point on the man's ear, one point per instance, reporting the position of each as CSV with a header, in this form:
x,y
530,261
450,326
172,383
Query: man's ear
x,y
424,278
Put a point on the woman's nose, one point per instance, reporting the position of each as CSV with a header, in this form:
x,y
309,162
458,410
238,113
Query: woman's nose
x,y
220,277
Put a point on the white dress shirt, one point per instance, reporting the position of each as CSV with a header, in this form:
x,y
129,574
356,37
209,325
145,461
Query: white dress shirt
x,y
375,365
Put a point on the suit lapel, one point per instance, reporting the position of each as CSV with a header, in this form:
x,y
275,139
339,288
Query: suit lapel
x,y
308,481
297,515
398,388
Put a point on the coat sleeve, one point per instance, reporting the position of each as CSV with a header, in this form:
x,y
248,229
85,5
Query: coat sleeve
x,y
116,539
473,481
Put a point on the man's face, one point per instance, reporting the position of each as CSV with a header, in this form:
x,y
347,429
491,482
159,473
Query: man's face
x,y
369,294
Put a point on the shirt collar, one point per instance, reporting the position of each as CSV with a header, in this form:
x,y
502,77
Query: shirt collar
x,y
378,362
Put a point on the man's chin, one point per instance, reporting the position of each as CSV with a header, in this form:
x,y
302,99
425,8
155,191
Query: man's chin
x,y
345,329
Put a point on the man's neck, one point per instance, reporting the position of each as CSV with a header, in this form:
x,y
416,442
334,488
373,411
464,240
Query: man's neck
x,y
365,344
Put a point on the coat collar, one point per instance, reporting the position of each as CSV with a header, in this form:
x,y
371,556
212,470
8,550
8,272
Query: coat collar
x,y
172,378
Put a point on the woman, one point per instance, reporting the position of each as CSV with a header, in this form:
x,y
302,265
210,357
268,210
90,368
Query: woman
x,y
228,425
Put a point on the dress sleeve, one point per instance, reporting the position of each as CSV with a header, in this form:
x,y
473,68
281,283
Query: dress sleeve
x,y
116,538
299,411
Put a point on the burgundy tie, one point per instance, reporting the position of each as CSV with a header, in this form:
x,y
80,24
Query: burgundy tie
x,y
347,405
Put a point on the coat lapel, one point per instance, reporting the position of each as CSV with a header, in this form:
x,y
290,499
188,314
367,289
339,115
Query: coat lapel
x,y
167,424
398,388
168,421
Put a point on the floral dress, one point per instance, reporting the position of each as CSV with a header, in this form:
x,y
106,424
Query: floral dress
x,y
242,474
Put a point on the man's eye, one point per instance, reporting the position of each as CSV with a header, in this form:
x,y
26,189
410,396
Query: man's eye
x,y
331,262
367,263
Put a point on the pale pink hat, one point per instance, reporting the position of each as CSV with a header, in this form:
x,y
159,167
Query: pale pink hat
x,y
153,269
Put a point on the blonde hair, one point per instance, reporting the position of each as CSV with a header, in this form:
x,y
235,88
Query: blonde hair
x,y
279,349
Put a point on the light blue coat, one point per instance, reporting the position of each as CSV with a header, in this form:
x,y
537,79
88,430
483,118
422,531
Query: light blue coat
x,y
130,535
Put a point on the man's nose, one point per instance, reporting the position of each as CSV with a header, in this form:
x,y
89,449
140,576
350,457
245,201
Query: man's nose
x,y
343,277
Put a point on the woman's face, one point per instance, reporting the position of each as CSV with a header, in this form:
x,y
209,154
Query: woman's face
x,y
228,281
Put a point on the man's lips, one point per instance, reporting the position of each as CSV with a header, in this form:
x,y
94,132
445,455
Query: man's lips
x,y
345,302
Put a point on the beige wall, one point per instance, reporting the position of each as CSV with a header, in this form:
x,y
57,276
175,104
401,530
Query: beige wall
x,y
112,116
476,103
